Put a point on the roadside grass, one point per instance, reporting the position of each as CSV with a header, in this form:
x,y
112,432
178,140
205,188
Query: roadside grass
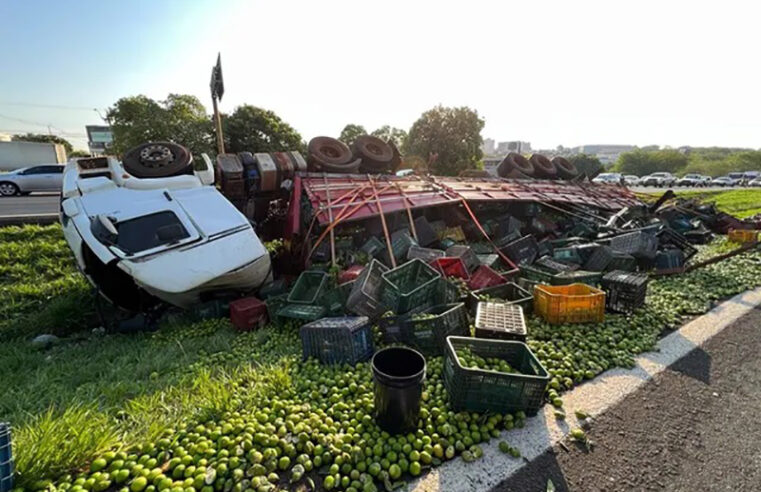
x,y
92,393
740,203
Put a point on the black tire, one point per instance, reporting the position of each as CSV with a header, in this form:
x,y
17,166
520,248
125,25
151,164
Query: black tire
x,y
247,159
372,149
543,167
158,160
327,150
515,166
349,168
566,170
8,189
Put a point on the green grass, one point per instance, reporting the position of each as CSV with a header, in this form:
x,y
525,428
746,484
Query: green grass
x,y
740,203
158,395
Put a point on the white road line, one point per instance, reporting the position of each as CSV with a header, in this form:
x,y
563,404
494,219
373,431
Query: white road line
x,y
594,397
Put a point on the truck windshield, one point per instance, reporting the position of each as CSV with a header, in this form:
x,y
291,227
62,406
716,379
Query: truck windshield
x,y
149,231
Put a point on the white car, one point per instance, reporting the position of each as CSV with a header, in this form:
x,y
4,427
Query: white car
x,y
608,178
755,182
690,180
660,179
47,177
723,181
631,180
142,241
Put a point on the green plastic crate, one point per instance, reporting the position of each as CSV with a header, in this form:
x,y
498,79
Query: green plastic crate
x,y
308,287
536,274
577,277
429,334
304,312
413,285
478,390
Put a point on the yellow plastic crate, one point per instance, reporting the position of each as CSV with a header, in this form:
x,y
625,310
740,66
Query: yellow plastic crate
x,y
574,303
743,236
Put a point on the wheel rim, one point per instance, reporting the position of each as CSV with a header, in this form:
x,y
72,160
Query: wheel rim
x,y
7,189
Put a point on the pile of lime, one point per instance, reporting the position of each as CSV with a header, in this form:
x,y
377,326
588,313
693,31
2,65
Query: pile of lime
x,y
468,359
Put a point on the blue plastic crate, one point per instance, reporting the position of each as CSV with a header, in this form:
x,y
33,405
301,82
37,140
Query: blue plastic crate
x,y
6,458
347,339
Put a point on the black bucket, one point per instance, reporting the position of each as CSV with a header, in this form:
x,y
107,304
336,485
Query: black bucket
x,y
399,373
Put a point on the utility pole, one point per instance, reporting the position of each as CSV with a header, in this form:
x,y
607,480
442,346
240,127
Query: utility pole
x,y
217,90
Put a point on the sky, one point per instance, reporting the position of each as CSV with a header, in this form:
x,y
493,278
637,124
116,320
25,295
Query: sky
x,y
551,73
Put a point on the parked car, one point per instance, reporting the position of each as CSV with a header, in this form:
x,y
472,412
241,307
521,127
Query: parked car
x,y
690,180
706,180
755,181
749,176
609,178
28,179
631,180
737,178
723,181
659,179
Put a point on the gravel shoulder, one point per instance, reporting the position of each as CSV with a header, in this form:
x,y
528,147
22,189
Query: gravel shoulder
x,y
694,426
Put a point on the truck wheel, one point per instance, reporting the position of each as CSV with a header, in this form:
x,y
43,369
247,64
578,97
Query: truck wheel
x,y
8,189
544,167
157,160
326,150
372,149
566,170
515,166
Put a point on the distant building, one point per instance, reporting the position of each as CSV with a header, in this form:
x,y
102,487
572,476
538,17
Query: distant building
x,y
488,146
513,146
608,154
99,138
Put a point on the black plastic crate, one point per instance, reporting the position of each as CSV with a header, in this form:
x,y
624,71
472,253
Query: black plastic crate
x,y
275,304
639,244
673,238
568,254
510,293
523,251
425,254
347,339
524,209
365,298
490,260
669,259
425,233
427,330
500,321
466,254
622,261
555,266
478,390
599,259
372,246
536,274
577,277
624,291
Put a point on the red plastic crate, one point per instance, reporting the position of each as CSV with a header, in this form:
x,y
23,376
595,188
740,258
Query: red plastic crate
x,y
248,313
485,276
451,267
350,274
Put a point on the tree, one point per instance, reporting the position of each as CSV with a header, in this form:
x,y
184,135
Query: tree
x,y
391,134
180,118
641,162
40,137
585,163
449,138
254,129
350,133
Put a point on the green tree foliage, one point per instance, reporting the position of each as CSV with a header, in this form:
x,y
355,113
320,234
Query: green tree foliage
x,y
180,118
391,134
40,137
254,129
451,135
641,162
350,133
585,163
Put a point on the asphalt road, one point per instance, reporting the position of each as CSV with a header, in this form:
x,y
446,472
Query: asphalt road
x,y
694,426
32,205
